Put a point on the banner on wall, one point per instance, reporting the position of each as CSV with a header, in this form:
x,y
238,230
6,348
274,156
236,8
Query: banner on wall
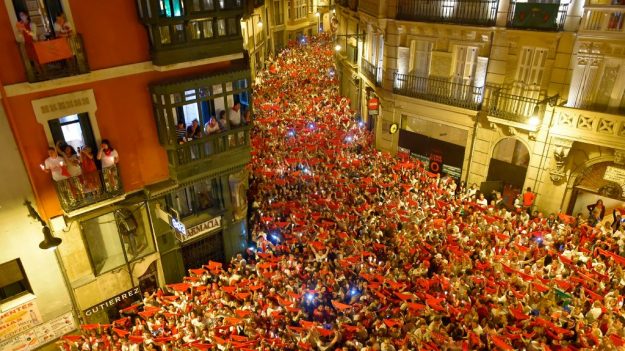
x,y
535,15
19,319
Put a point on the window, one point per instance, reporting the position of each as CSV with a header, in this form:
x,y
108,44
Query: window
x,y
42,14
531,66
73,130
195,199
118,237
221,27
171,8
278,16
421,54
13,280
465,60
301,9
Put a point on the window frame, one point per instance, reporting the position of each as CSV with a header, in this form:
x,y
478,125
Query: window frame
x,y
25,282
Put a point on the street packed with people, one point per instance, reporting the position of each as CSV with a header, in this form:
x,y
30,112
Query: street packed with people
x,y
356,249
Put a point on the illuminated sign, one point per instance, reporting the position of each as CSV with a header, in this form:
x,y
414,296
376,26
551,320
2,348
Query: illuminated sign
x,y
204,227
178,226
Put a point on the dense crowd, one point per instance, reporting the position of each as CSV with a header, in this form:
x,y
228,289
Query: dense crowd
x,y
358,250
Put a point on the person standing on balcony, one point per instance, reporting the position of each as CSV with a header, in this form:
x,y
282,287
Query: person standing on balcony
x,y
72,164
62,28
234,115
91,180
109,158
212,127
28,35
55,165
194,131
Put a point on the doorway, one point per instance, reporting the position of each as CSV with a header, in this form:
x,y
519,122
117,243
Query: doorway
x,y
198,253
73,130
508,165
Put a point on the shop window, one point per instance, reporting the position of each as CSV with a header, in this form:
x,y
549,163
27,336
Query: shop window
x,y
118,237
200,197
13,280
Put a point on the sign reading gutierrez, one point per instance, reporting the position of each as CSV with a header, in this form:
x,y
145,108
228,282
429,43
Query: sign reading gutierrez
x,y
134,293
202,228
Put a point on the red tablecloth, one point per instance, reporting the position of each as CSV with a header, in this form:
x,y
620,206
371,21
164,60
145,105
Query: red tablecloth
x,y
53,50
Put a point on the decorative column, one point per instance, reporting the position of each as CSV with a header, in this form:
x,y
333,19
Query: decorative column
x,y
561,148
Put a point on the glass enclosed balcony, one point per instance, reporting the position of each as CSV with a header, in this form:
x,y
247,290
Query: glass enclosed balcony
x,y
197,122
187,30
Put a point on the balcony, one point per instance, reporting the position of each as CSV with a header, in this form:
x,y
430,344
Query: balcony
x,y
589,126
516,109
537,16
351,4
471,12
55,58
372,72
184,30
88,189
438,90
603,20
225,149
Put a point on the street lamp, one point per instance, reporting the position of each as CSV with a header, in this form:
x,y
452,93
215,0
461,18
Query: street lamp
x,y
50,242
534,120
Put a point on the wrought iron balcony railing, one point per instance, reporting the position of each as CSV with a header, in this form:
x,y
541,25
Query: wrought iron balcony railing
x,y
438,90
472,12
372,72
55,58
603,19
89,188
538,16
516,108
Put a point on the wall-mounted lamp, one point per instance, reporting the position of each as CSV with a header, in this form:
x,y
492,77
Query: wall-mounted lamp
x,y
535,118
50,242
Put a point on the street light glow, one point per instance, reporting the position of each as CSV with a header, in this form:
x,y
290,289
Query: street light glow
x,y
338,47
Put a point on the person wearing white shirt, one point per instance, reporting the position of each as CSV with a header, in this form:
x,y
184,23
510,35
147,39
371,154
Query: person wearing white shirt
x,y
54,165
234,115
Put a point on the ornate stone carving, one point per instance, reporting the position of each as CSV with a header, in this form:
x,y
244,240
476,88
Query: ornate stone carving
x,y
561,149
619,157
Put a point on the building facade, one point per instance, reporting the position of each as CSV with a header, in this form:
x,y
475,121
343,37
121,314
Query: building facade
x,y
171,195
504,94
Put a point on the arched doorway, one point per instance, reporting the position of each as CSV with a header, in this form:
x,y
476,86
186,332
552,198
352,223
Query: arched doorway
x,y
600,181
507,168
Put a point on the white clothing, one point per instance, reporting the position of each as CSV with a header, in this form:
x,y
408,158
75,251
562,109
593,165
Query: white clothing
x,y
55,166
109,160
234,117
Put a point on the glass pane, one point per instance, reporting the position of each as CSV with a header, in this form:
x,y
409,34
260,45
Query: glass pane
x,y
134,229
189,95
207,26
222,4
103,243
204,92
205,195
217,89
209,5
221,27
175,97
165,36
178,33
242,84
228,86
195,30
232,26
196,6
181,201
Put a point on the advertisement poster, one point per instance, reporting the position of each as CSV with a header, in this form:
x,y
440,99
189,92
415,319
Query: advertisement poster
x,y
40,335
19,319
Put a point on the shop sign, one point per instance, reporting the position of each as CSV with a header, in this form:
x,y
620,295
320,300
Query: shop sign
x,y
134,294
202,228
19,319
373,104
436,163
176,224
